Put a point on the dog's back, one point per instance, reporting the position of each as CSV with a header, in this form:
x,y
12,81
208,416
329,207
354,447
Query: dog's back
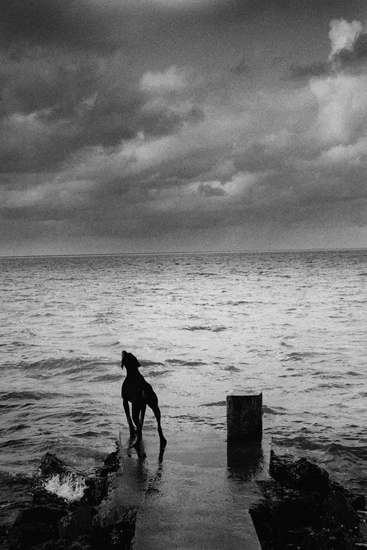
x,y
137,390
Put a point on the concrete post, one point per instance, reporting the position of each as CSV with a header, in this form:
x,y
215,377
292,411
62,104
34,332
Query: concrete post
x,y
244,417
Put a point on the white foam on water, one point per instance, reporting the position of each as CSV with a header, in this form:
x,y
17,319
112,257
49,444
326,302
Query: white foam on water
x,y
67,487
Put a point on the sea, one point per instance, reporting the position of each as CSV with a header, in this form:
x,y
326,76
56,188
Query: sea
x,y
291,325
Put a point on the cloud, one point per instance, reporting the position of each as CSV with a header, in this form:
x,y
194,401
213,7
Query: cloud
x,y
299,72
343,35
342,107
102,26
57,195
348,49
109,144
170,80
348,45
70,24
242,67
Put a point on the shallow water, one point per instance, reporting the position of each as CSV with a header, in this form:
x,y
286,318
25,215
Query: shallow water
x,y
291,325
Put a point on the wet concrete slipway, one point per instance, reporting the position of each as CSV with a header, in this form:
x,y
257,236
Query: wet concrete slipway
x,y
196,495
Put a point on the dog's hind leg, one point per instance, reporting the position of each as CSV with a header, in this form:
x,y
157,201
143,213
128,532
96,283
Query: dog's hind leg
x,y
127,412
157,414
136,418
142,415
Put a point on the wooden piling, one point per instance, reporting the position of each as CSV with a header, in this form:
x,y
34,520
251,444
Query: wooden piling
x,y
244,417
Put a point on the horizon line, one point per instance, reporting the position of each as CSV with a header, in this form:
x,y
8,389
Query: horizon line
x,y
186,252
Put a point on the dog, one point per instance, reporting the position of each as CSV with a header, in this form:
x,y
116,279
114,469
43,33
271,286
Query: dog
x,y
136,390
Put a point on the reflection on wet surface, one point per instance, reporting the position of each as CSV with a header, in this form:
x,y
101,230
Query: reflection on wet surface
x,y
197,496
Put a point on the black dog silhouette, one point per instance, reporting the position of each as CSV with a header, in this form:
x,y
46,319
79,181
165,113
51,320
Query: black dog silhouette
x,y
136,390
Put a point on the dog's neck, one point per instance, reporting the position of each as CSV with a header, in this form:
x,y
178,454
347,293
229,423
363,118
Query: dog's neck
x,y
131,370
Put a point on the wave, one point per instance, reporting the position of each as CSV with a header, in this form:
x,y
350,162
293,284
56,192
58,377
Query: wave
x,y
151,364
237,303
201,421
231,368
275,411
301,355
353,451
205,274
28,395
216,404
107,378
205,328
185,363
65,368
157,373
69,487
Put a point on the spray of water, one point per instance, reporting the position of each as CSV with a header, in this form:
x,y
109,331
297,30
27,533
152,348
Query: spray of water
x,y
67,487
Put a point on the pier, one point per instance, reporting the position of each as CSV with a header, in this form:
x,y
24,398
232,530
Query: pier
x,y
196,496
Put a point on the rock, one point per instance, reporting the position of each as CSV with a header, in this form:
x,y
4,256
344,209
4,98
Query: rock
x,y
302,508
337,513
81,544
34,526
53,545
327,541
115,529
50,465
315,541
279,467
288,507
55,477
77,523
301,474
83,522
96,490
111,463
357,501
309,477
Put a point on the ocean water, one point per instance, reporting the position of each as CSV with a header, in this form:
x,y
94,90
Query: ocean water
x,y
292,325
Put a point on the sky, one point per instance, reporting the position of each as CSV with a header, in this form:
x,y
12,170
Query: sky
x,y
182,125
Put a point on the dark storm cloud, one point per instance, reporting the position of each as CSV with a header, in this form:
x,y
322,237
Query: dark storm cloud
x,y
242,67
308,71
122,119
68,23
104,26
51,110
56,86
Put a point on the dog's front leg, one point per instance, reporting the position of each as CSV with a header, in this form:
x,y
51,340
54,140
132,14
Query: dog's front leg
x,y
127,412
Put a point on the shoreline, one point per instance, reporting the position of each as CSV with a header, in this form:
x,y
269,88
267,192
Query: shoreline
x,y
286,510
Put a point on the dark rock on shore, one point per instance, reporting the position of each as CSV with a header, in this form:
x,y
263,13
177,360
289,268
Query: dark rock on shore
x,y
302,508
300,474
34,526
57,522
116,529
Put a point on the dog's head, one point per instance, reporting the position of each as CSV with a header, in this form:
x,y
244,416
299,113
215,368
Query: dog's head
x,y
129,360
